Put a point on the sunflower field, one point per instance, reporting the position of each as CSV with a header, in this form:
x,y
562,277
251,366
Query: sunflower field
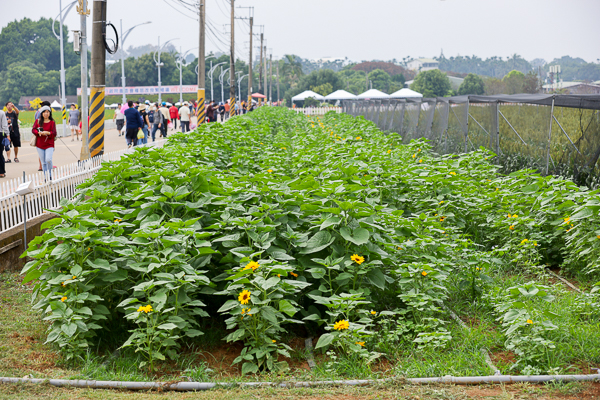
x,y
275,226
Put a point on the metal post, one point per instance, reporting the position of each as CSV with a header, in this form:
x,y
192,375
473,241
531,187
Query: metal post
x,y
549,136
180,77
467,130
265,74
85,149
158,64
62,72
212,95
232,60
260,77
278,98
249,70
25,213
201,97
98,76
123,98
271,78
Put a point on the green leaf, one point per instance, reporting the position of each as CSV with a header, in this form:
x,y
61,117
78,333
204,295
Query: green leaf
x,y
377,278
99,263
69,329
249,368
287,307
333,220
324,340
168,326
358,237
60,250
229,304
318,242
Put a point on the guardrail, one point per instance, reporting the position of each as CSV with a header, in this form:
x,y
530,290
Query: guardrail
x,y
47,194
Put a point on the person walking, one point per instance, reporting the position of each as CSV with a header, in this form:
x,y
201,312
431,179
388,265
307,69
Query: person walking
x,y
167,118
174,114
44,129
210,111
184,116
74,122
12,118
226,114
119,118
134,122
3,135
146,124
157,120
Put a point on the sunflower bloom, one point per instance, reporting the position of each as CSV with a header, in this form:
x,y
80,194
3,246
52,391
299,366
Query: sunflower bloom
x,y
244,296
567,220
294,275
269,170
362,344
529,321
452,173
373,312
512,227
357,259
63,299
524,241
253,265
341,325
274,341
424,273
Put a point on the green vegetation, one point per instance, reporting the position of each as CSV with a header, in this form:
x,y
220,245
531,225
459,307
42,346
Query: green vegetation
x,y
473,84
274,227
433,83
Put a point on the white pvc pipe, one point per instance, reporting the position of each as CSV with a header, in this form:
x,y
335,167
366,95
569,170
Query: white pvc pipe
x,y
194,386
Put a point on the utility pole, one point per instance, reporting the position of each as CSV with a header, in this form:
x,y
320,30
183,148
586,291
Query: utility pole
x,y
63,98
271,78
200,110
265,75
250,68
232,60
260,73
85,149
278,98
98,83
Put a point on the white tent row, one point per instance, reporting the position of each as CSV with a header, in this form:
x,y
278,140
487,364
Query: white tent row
x,y
340,95
405,93
306,94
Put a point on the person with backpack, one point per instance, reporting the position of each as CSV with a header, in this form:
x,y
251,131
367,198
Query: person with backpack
x,y
157,120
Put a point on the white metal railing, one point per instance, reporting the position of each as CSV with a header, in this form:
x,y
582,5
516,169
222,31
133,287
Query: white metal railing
x,y
47,194
317,110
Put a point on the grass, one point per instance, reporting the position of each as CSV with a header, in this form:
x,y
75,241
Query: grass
x,y
26,118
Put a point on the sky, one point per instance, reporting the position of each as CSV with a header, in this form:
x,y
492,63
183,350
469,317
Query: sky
x,y
358,30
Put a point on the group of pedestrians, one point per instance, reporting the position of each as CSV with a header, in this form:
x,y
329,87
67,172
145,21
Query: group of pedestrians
x,y
10,136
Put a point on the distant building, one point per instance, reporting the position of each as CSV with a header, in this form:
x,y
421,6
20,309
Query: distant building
x,y
455,82
573,87
423,64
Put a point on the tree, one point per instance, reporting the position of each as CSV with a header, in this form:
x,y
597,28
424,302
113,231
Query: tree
x,y
473,84
494,86
380,79
531,83
20,79
290,70
323,89
73,79
33,41
432,83
514,82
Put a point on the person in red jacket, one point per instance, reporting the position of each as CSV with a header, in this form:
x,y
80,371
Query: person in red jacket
x,y
174,113
45,131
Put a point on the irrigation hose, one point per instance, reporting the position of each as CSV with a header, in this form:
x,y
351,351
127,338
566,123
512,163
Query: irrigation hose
x,y
196,386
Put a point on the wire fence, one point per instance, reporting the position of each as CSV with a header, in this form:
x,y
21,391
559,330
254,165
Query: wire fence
x,y
553,134
47,194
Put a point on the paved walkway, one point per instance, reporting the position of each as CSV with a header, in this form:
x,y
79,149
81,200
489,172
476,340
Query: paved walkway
x,y
65,152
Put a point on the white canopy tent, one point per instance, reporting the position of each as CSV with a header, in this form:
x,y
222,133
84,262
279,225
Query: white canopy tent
x,y
55,104
405,93
306,94
340,95
373,94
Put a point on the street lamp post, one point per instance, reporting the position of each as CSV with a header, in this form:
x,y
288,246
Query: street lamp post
x,y
159,64
210,73
209,70
221,82
180,66
123,37
63,97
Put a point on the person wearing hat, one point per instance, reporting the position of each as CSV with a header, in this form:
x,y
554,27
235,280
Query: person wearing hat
x,y
44,129
184,117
